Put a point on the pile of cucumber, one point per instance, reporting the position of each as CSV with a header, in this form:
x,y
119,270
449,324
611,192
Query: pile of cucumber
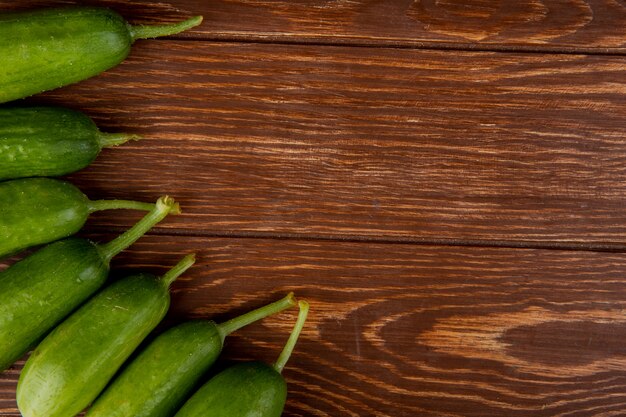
x,y
52,300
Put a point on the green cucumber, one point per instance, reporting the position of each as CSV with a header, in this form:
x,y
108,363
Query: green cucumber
x,y
41,210
45,49
74,363
49,141
250,389
37,292
161,377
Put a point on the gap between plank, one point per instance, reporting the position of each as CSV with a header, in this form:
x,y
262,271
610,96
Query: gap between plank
x,y
391,44
394,240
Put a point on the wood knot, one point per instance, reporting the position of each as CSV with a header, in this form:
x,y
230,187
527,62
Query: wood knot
x,y
565,343
476,20
536,340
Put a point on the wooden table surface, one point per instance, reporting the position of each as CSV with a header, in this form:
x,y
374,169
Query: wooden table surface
x,y
443,180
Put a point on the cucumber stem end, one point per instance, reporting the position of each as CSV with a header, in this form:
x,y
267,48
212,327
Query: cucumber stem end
x,y
164,206
100,205
250,317
173,274
109,140
147,32
293,337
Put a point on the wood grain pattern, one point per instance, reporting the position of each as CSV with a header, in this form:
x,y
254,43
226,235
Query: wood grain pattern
x,y
340,142
321,147
406,330
558,25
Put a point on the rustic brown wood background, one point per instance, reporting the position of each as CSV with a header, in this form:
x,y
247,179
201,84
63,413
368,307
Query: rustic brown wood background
x,y
444,181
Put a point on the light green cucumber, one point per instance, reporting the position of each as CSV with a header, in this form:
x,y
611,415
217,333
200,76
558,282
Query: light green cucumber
x,y
74,363
35,211
37,292
250,389
161,377
45,49
49,141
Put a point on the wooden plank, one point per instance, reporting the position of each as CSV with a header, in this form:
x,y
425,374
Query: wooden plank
x,y
548,25
405,330
339,142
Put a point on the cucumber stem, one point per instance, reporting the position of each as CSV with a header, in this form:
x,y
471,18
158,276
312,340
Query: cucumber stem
x,y
183,265
293,337
147,32
108,140
164,206
237,323
100,205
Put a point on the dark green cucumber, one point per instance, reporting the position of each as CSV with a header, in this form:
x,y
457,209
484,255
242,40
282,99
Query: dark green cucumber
x,y
161,377
74,363
37,292
49,141
251,389
46,49
35,211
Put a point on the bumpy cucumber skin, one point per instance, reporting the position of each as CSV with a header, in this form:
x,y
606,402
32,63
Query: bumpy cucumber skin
x,y
45,141
251,389
37,211
46,49
162,376
37,292
74,363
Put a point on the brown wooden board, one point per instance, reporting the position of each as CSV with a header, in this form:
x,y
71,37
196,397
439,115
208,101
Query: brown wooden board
x,y
315,147
340,142
596,26
406,330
